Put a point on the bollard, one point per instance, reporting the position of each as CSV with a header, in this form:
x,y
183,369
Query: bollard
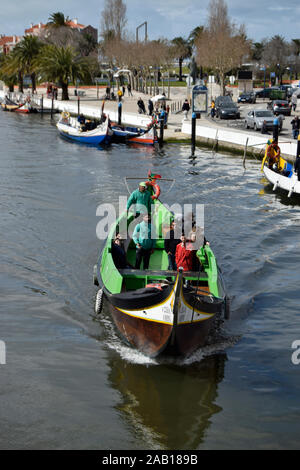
x,y
161,131
193,140
52,107
119,113
275,130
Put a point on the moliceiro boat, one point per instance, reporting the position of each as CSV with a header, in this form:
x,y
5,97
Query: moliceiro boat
x,y
70,128
278,171
157,310
131,134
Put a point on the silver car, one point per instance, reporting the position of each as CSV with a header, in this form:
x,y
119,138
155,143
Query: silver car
x,y
256,117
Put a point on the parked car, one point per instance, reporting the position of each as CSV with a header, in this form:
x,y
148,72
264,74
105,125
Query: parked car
x,y
288,89
226,108
265,92
247,97
256,117
280,107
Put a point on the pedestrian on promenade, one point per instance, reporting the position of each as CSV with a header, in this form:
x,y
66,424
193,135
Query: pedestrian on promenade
x,y
119,93
185,108
150,107
213,109
295,127
129,90
141,106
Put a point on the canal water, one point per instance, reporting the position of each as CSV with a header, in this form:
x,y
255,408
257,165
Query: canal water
x,y
68,381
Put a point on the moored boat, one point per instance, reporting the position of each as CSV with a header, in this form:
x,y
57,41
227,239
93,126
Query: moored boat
x,y
9,105
278,171
157,310
71,129
131,134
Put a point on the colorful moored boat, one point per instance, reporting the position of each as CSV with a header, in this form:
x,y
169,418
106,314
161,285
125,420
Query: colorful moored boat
x,y
278,171
156,310
70,128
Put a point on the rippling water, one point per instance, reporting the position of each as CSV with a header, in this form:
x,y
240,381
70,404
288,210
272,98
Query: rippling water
x,y
69,382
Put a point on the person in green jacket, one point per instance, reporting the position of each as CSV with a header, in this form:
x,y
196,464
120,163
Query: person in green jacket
x,y
144,243
141,197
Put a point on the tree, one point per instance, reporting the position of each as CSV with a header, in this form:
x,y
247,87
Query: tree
x,y
275,54
87,44
61,65
222,45
113,19
26,53
57,20
182,50
7,72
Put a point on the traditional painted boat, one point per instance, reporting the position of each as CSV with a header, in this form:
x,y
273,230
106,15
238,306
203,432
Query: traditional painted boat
x,y
156,310
279,171
71,129
9,105
25,108
130,134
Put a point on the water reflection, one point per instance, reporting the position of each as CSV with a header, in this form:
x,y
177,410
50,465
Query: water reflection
x,y
279,195
168,406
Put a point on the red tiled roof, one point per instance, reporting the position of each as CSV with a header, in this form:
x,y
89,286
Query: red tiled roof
x,y
8,40
75,25
36,26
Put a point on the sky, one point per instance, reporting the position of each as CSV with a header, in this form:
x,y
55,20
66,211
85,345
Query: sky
x,y
165,18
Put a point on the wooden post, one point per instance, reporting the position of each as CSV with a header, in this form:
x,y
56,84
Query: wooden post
x,y
193,139
161,130
78,105
120,113
42,105
275,130
52,102
245,152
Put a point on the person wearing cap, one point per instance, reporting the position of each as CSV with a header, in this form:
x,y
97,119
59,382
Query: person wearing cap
x,y
144,239
141,197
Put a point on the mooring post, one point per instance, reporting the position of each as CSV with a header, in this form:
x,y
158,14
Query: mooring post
x,y
193,139
119,113
275,130
42,105
78,105
245,152
161,129
52,104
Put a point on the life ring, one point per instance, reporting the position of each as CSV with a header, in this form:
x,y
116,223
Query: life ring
x,y
156,285
65,115
156,189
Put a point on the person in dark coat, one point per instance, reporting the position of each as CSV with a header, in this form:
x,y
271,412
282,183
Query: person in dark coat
x,y
170,247
118,254
141,106
150,107
297,167
295,127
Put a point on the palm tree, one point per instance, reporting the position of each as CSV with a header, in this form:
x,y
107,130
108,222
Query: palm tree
x,y
26,53
7,73
61,65
13,70
57,20
182,50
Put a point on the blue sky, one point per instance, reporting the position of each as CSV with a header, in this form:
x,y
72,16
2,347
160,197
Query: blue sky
x,y
166,18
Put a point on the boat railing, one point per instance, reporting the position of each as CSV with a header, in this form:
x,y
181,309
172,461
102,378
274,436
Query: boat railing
x,y
162,274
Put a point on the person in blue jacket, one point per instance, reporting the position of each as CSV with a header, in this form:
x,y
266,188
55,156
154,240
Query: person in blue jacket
x,y
141,197
144,243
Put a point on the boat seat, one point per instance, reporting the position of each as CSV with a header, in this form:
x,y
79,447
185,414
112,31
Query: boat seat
x,y
155,274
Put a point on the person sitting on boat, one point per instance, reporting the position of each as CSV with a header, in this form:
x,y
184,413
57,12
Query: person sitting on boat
x,y
184,256
81,119
170,247
145,240
141,197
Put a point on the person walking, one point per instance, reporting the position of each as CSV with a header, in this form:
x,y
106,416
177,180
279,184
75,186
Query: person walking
x,y
294,100
185,108
129,90
295,127
213,109
144,239
120,94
